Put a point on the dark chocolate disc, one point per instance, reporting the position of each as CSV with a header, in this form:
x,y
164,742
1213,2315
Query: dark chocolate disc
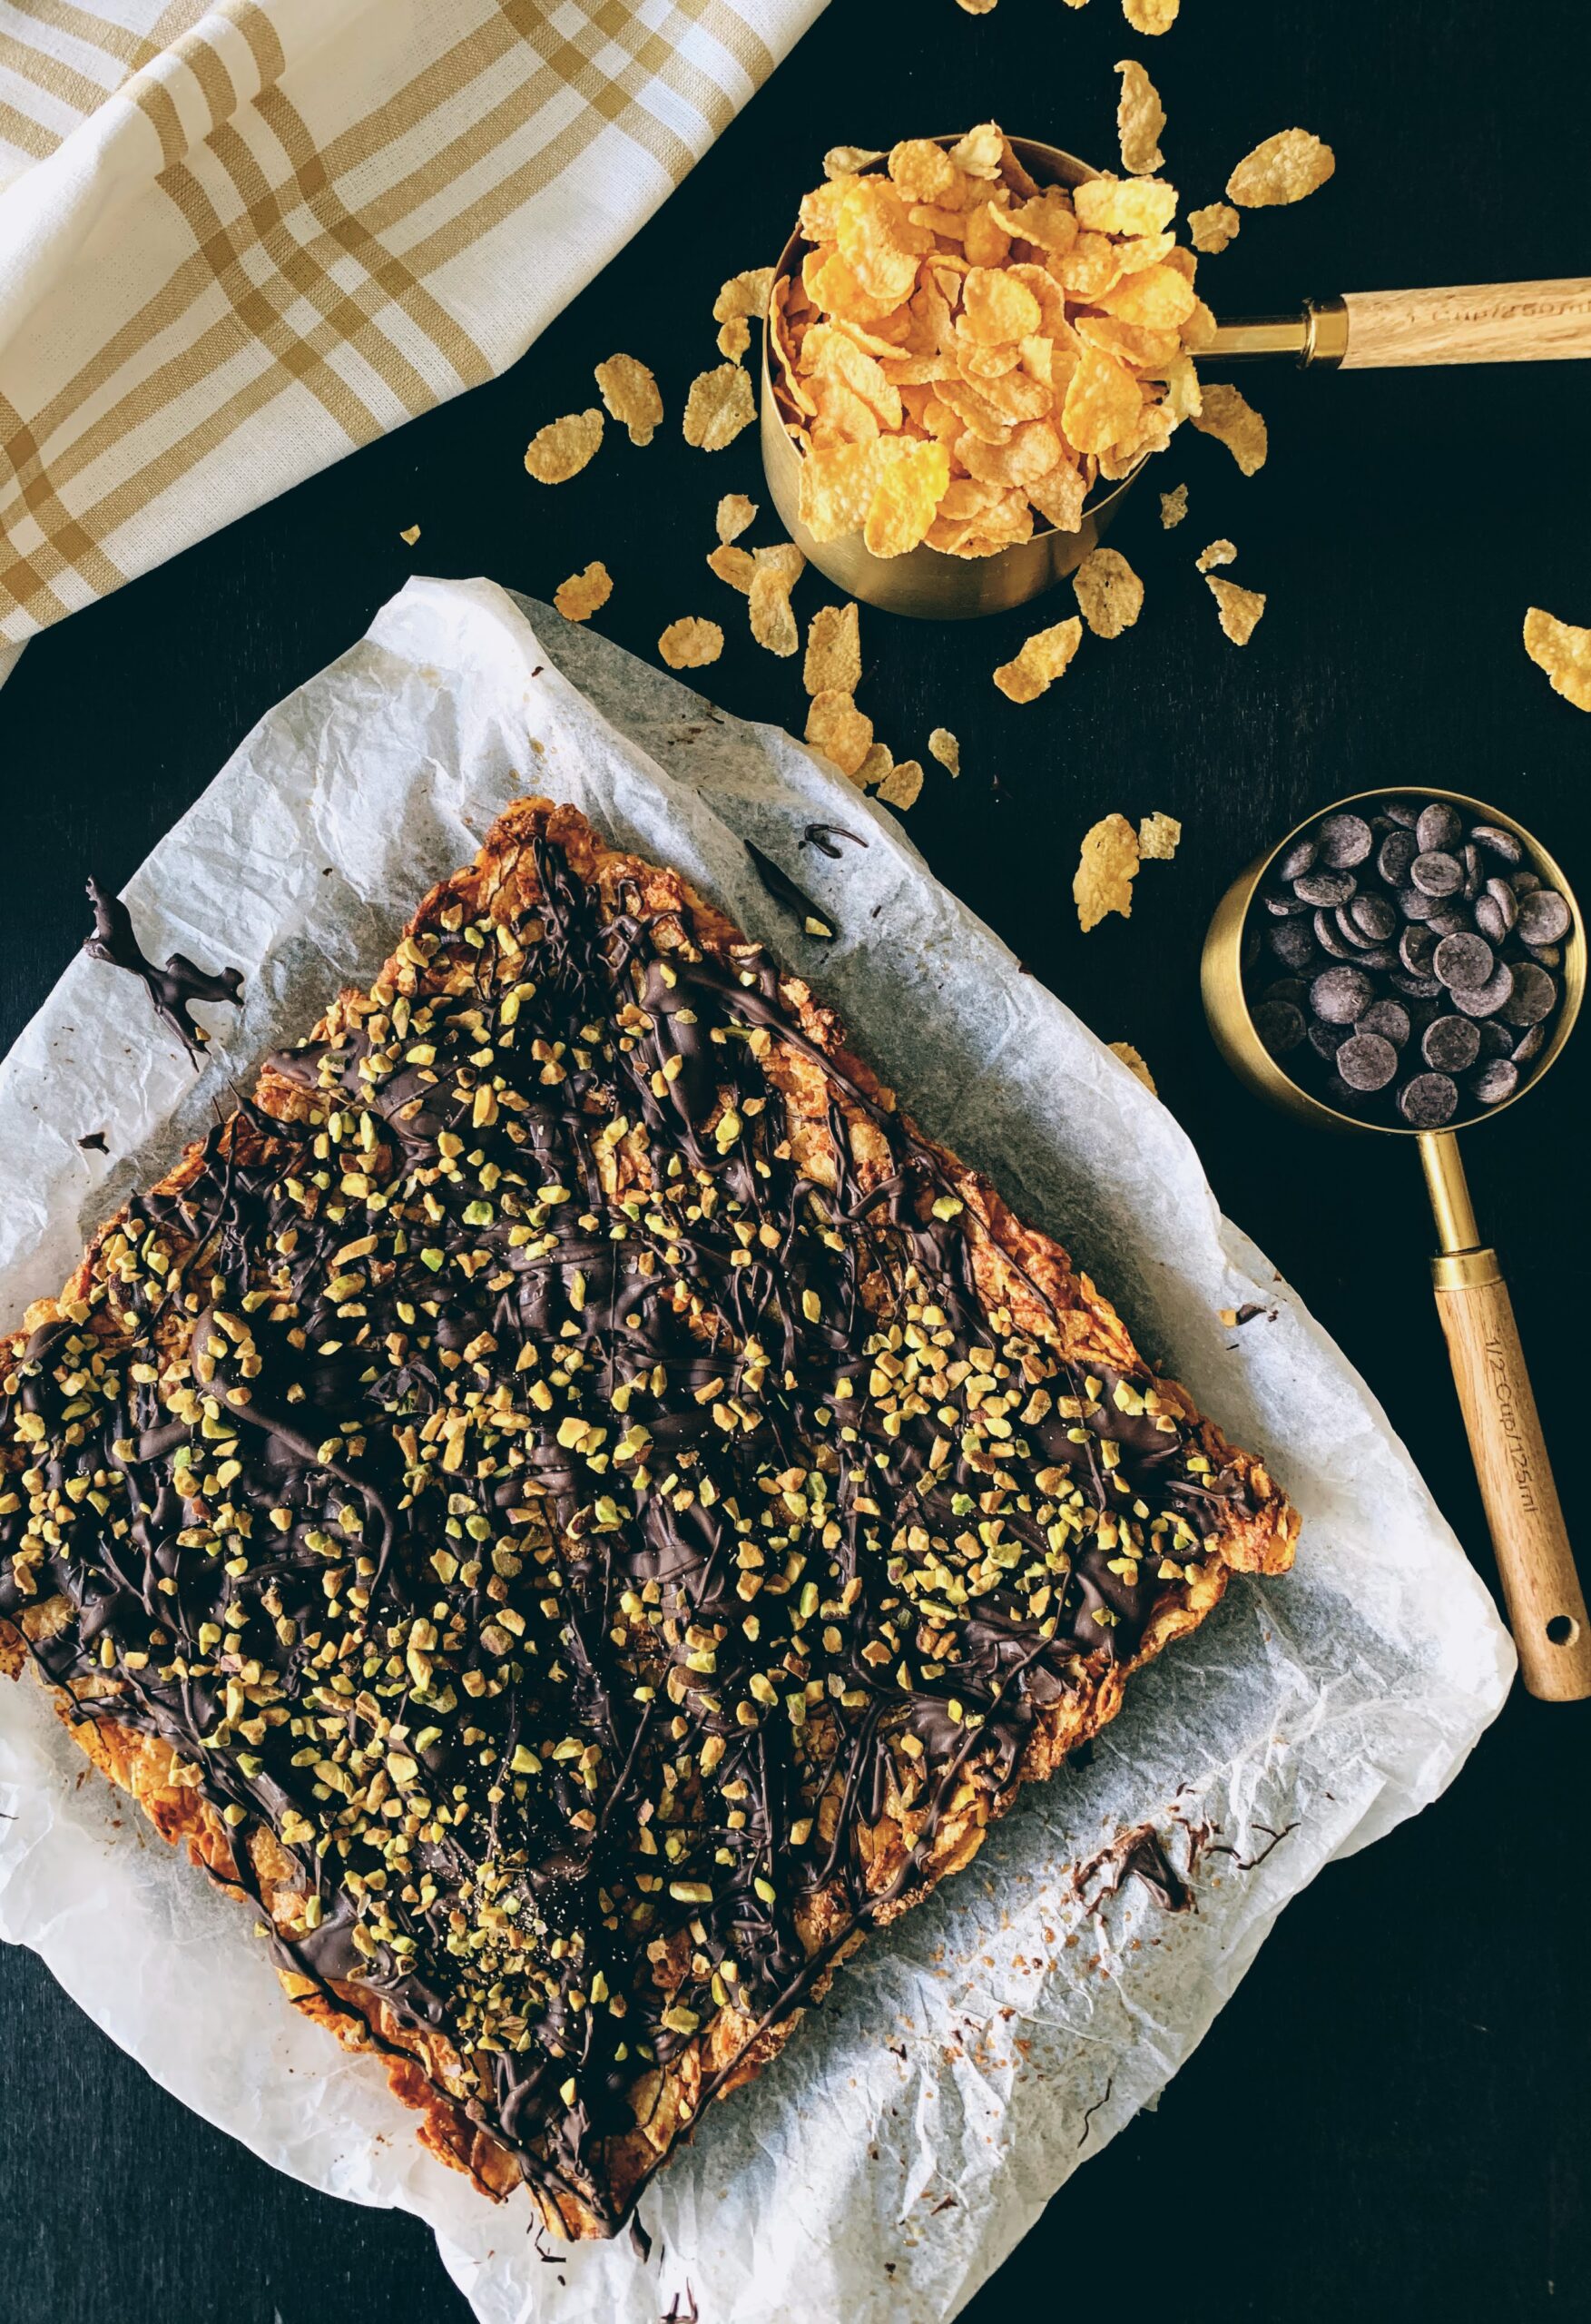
x,y
1327,1040
1463,960
1366,1061
1440,827
1416,948
1534,995
1544,917
1495,1081
1293,943
1500,843
1451,1044
1331,939
1394,856
1529,1044
1296,859
1402,811
1325,889
1344,840
1374,917
1390,1019
1435,872
1427,1100
1485,999
1341,995
1280,1025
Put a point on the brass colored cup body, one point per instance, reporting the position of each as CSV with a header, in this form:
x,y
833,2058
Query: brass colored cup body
x,y
926,583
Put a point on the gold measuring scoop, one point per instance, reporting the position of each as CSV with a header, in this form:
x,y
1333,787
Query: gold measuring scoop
x,y
1547,1610
1497,322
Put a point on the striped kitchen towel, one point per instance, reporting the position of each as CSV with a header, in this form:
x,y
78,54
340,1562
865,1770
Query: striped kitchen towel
x,y
237,241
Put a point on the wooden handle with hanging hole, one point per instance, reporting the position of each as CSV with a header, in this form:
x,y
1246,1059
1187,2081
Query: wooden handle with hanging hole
x,y
1546,1609
1480,322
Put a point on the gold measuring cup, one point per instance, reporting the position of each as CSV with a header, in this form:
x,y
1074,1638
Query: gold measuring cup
x,y
1547,1610
1499,322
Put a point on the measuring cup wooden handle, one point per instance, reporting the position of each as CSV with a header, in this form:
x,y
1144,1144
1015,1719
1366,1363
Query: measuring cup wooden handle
x,y
1546,1611
1483,322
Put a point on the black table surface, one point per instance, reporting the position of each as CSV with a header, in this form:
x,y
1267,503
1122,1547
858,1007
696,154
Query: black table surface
x,y
1389,2116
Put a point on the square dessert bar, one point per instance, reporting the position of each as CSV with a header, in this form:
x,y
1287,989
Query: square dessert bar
x,y
577,1510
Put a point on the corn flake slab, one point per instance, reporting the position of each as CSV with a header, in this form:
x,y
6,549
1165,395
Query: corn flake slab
x,y
1140,118
691,644
1107,866
1043,658
1222,552
738,566
735,513
944,746
839,729
902,784
720,404
834,651
1564,652
1174,505
1110,596
631,395
1134,1064
1240,609
583,592
875,767
1151,17
562,448
773,621
1233,420
1212,228
1158,837
1281,169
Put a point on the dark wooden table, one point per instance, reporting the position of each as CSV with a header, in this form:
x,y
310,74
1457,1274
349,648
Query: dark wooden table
x,y
1390,2119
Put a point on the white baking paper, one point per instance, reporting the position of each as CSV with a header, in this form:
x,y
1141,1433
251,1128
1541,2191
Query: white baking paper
x,y
975,2053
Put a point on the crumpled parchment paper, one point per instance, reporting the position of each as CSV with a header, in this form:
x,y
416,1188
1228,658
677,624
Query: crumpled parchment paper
x,y
973,2054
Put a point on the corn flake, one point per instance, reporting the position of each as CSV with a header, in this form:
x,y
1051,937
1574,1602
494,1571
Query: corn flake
x,y
1041,659
834,654
839,729
908,492
562,448
1233,422
875,767
1110,595
629,393
1158,837
1103,404
944,746
980,151
1107,866
773,621
1140,118
1222,552
719,405
1283,168
1124,205
734,338
743,295
902,784
1240,609
1212,228
738,566
1150,16
410,534
1134,1065
691,644
581,596
735,513
845,161
1564,652
1174,505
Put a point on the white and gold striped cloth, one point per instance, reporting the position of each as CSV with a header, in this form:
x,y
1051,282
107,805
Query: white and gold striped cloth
x,y
238,241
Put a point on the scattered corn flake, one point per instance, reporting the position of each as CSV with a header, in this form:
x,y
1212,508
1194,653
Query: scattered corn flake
x,y
745,294
1042,660
720,404
1223,552
976,7
875,766
1240,608
1107,866
980,151
845,161
1150,16
1212,228
562,448
690,643
839,729
944,746
1157,837
1110,595
410,534
773,621
735,513
581,596
738,566
1140,118
834,653
1564,652
1233,420
901,785
1283,168
1174,505
734,336
629,393
1135,1066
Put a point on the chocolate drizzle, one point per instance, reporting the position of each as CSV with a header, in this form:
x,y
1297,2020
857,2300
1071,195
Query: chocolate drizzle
x,y
171,990
570,1489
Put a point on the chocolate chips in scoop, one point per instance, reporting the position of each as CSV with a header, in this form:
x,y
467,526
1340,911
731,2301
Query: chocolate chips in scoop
x,y
1408,962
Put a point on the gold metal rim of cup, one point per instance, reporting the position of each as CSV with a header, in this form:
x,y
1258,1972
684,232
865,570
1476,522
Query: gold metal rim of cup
x,y
926,583
1226,1005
